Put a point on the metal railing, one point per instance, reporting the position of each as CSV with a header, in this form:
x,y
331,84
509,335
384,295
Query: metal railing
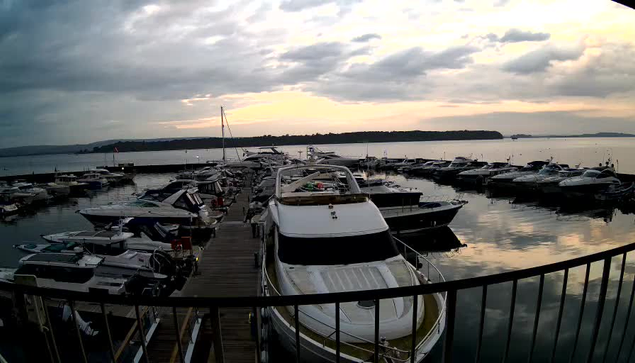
x,y
618,329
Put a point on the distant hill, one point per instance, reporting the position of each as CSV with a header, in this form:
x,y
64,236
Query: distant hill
x,y
330,138
51,149
62,149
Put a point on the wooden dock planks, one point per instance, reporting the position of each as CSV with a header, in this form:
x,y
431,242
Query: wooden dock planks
x,y
226,268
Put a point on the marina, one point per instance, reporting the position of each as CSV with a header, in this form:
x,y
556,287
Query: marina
x,y
489,230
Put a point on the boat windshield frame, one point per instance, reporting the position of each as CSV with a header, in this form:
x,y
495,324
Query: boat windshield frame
x,y
317,170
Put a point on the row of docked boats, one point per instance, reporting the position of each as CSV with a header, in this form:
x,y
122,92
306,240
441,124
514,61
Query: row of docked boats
x,y
546,177
21,195
121,259
144,246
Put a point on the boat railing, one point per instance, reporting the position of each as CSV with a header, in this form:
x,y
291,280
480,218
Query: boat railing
x,y
422,263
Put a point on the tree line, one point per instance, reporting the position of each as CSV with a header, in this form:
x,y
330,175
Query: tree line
x,y
270,140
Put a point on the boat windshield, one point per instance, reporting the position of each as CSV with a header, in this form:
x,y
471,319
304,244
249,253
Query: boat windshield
x,y
591,174
336,250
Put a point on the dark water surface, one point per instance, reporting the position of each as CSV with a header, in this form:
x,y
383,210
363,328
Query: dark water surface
x,y
501,234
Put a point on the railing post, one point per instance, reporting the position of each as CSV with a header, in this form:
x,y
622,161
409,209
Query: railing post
x,y
376,356
415,319
298,346
563,296
598,314
142,334
541,286
481,324
177,332
50,327
217,338
337,331
79,333
449,328
628,317
512,308
582,304
108,334
617,305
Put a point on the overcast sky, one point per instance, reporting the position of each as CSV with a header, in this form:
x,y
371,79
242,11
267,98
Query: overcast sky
x,y
83,71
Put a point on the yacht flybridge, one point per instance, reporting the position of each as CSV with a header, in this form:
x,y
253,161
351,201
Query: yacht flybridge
x,y
326,236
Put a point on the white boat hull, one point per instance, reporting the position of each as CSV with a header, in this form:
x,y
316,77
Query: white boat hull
x,y
314,351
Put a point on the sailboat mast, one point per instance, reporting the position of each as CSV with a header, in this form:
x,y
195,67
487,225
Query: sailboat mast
x,y
222,126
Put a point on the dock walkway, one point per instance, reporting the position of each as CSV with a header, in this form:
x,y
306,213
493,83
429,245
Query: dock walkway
x,y
226,268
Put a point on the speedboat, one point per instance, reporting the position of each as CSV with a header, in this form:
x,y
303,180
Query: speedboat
x,y
56,190
507,179
122,240
8,209
75,272
155,265
347,246
70,180
28,193
264,154
207,189
590,183
184,207
551,184
94,180
478,176
429,168
529,182
112,178
405,213
458,165
330,157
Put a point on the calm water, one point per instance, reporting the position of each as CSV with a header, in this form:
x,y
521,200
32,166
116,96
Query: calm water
x,y
588,151
500,233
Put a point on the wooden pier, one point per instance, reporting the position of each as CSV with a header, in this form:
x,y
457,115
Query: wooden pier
x,y
226,268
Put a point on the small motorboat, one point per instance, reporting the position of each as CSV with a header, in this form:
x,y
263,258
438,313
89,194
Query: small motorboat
x,y
480,175
590,183
551,184
506,180
70,180
529,182
94,180
9,209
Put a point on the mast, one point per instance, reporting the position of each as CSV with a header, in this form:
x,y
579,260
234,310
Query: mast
x,y
222,127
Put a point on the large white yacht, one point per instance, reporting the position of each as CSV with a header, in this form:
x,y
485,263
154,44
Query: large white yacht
x,y
328,237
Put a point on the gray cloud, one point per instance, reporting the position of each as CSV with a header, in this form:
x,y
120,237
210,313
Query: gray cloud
x,y
517,36
396,77
540,59
366,37
299,5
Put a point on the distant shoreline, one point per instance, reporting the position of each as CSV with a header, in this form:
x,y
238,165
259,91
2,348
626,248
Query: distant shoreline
x,y
108,147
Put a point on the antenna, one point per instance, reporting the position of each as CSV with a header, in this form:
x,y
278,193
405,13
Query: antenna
x,y
222,128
